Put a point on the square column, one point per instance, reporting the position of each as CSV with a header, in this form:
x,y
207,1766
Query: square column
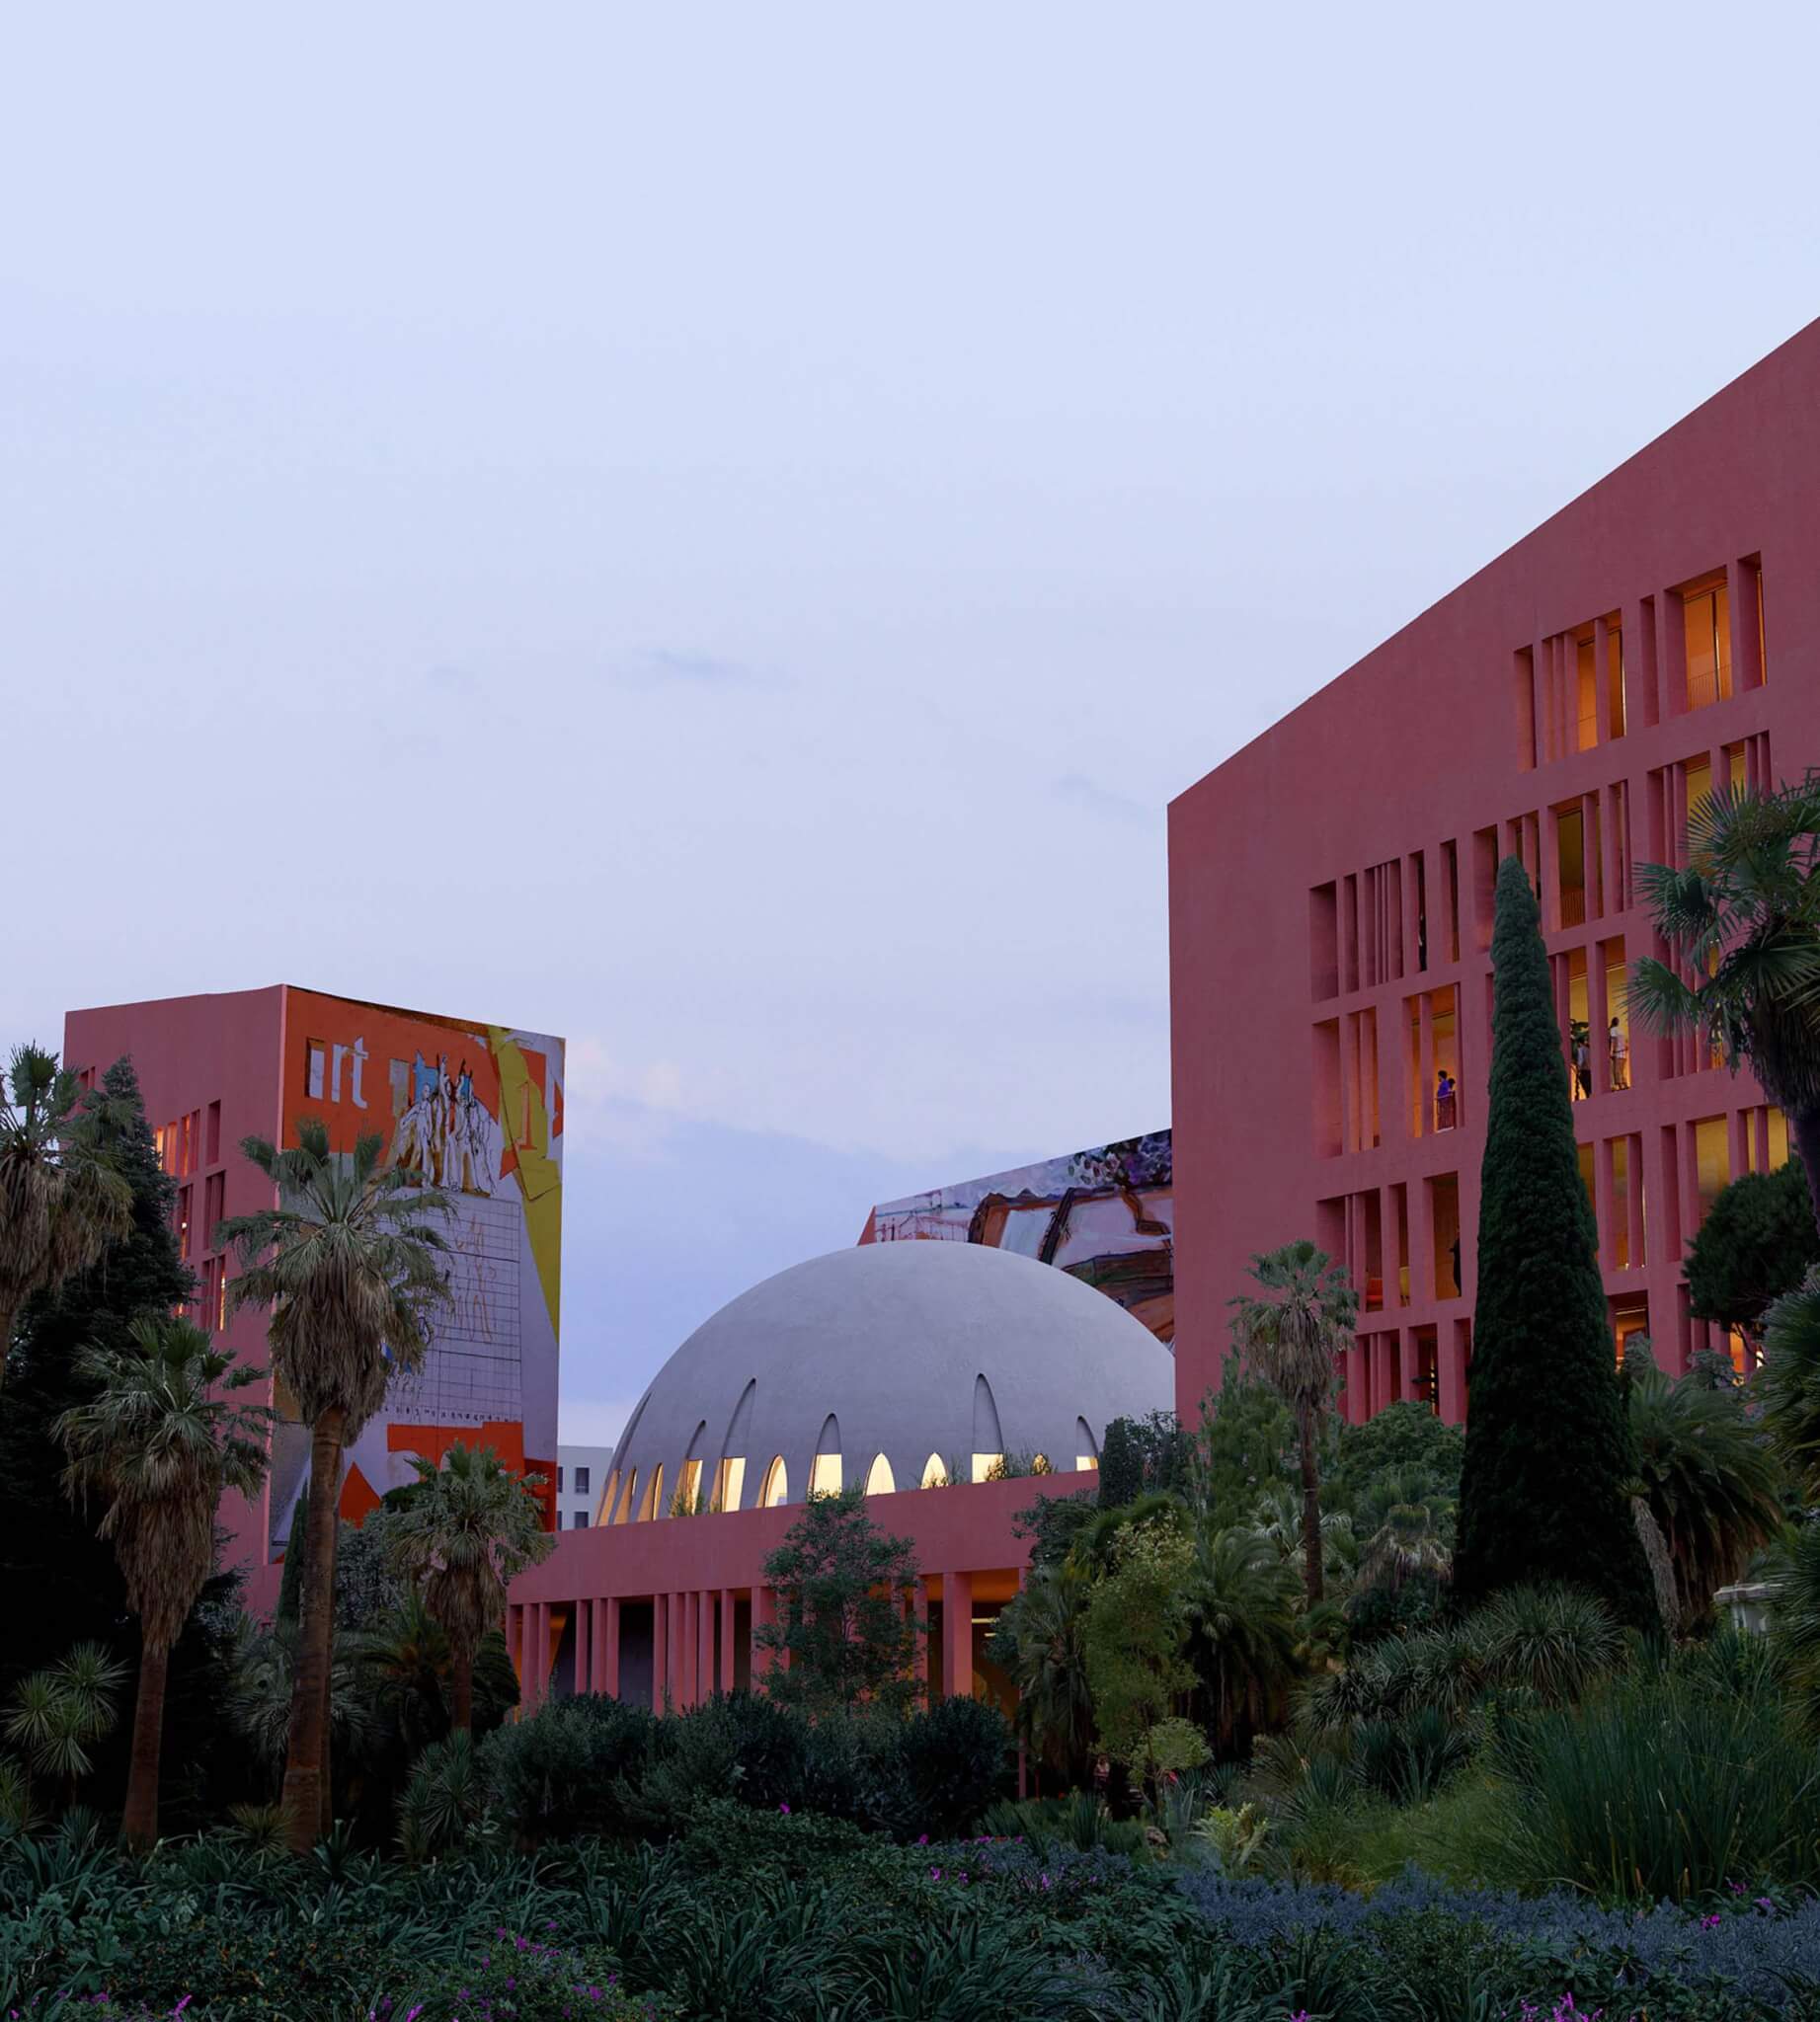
x,y
659,1650
728,1632
957,1635
765,1616
606,1647
584,1640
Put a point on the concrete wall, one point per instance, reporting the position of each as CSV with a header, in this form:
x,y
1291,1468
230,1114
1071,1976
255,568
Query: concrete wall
x,y
1445,734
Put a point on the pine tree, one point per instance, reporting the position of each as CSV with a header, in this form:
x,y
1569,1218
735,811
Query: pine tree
x,y
1548,1458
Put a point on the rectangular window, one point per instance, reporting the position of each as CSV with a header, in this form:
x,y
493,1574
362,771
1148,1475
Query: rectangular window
x,y
1327,1088
1484,883
1324,942
579,1522
1697,785
213,1152
1778,1140
1579,1026
559,1478
1450,866
581,1481
1399,1207
215,1206
220,1293
184,1206
315,1061
1706,621
1615,675
1620,1203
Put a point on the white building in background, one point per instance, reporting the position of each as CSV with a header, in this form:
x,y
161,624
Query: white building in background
x,y
580,1476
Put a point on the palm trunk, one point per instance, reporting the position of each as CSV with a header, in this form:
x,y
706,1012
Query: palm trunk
x,y
306,1750
464,1690
140,1824
8,1314
1804,1126
1310,1504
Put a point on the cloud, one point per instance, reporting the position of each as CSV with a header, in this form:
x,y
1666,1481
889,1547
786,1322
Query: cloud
x,y
1093,799
666,667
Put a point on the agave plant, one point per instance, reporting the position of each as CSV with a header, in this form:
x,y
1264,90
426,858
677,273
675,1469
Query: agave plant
x,y
59,1714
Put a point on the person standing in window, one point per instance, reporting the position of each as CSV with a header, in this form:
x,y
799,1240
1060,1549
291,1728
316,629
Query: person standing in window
x,y
1445,1103
1621,1055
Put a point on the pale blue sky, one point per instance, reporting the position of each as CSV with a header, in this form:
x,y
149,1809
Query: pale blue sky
x,y
717,531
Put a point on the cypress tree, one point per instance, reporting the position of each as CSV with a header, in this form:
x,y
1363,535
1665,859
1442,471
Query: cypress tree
x,y
1543,1493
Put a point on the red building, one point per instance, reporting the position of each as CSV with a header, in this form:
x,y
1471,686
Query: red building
x,y
474,1110
1332,885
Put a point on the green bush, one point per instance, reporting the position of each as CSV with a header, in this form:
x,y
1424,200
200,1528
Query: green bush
x,y
957,1760
560,1773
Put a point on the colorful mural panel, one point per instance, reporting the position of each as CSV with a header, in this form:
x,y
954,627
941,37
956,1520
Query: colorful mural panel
x,y
477,1111
1107,1215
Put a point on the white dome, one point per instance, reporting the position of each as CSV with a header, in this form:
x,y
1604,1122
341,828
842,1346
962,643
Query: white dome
x,y
909,1352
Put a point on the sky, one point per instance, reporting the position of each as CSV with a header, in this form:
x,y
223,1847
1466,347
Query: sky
x,y
716,532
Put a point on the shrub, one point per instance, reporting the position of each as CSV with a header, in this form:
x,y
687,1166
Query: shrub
x,y
957,1760
558,1773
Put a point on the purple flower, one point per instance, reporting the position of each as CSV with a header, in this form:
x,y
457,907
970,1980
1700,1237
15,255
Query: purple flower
x,y
785,1809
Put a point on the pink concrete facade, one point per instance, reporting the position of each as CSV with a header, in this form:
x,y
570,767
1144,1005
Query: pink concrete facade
x,y
662,1612
209,1070
1331,897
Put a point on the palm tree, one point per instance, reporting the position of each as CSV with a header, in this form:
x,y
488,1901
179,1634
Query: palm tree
x,y
160,1444
1708,1475
352,1277
57,1714
1293,1337
1743,919
1241,1596
467,1527
61,1201
1789,1383
1039,1639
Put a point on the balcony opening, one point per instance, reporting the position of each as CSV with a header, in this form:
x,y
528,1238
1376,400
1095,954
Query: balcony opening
x,y
1630,1315
1618,1014
1523,696
1579,1027
1326,1089
1484,883
1586,691
1618,1242
1585,1154
1373,1273
1444,1220
1705,613
1570,865
1615,675
1712,1161
1427,1369
1420,860
1399,1207
1450,870
1324,942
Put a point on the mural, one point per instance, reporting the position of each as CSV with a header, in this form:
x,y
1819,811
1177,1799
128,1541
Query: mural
x,y
477,1111
1105,1215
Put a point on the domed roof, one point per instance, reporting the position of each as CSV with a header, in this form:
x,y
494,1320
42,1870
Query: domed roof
x,y
881,1365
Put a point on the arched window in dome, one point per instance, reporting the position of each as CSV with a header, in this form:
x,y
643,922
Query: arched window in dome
x,y
1087,1447
729,1483
825,1474
687,1500
880,1481
652,1504
987,1440
776,1488
628,1503
934,1473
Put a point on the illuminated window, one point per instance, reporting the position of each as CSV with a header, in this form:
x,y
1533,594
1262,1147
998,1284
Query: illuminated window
x,y
1778,1140
825,1475
934,1473
880,1481
777,1489
1086,1462
184,1195
728,1484
628,1502
220,1293
987,1466
1706,617
1587,670
653,1505
1039,1464
688,1490
607,1501
315,1059
1713,1160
